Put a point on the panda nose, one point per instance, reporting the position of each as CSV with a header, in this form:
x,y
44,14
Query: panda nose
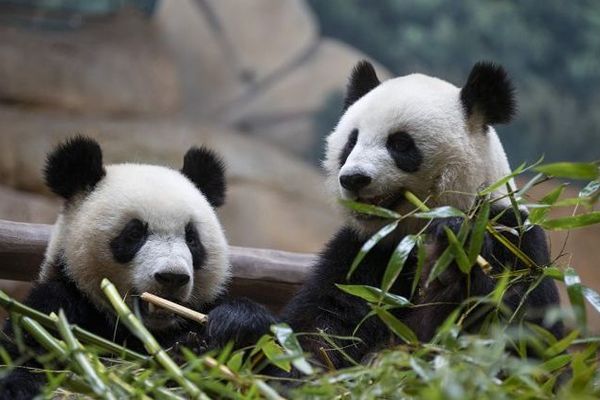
x,y
354,182
171,279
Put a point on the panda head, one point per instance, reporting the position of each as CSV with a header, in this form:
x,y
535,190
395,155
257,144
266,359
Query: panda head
x,y
144,227
418,133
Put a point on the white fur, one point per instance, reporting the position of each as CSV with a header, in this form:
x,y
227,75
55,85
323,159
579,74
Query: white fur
x,y
456,156
165,200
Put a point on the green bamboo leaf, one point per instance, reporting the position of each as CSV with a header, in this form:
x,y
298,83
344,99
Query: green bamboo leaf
x,y
577,221
554,273
286,338
396,326
591,189
502,181
274,354
539,214
556,363
592,297
369,209
570,170
397,260
374,295
369,244
440,212
440,265
542,333
531,183
575,292
421,255
478,232
561,345
459,252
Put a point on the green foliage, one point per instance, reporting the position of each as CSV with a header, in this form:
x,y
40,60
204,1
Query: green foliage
x,y
550,50
492,363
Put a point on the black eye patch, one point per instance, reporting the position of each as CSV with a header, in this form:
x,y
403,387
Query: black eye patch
x,y
404,151
192,239
352,138
131,239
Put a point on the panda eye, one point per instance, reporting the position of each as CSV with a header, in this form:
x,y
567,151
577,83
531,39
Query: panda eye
x,y
135,230
191,235
400,142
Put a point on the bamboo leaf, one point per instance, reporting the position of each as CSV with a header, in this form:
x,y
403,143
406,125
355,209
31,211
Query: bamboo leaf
x,y
588,171
396,326
441,264
397,261
592,297
556,362
374,295
575,292
478,232
440,212
577,221
369,244
286,338
591,189
421,255
459,252
561,345
369,209
539,214
502,181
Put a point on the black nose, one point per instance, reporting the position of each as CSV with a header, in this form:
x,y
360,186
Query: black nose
x,y
354,182
172,279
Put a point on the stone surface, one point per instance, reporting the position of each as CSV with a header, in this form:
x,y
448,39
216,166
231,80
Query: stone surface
x,y
275,200
284,112
117,66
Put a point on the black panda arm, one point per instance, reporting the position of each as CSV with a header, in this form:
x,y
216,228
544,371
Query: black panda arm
x,y
321,306
241,321
451,288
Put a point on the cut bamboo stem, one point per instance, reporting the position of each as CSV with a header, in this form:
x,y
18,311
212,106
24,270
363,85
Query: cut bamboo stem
x,y
174,307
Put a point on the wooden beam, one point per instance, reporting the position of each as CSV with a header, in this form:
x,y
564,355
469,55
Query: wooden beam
x,y
268,276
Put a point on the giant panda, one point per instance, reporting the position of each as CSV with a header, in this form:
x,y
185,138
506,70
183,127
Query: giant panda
x,y
146,228
425,135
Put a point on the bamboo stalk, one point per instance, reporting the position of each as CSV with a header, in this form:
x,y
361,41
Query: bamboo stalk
x,y
154,349
11,305
174,307
80,358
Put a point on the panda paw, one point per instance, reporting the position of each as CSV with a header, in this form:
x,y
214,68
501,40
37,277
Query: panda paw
x,y
192,341
240,321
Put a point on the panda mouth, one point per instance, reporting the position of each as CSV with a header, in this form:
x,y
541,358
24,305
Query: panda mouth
x,y
149,313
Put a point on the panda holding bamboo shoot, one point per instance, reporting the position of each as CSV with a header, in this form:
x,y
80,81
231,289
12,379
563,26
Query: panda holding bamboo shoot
x,y
146,228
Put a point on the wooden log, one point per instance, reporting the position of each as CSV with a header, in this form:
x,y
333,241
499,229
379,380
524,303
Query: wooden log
x,y
267,276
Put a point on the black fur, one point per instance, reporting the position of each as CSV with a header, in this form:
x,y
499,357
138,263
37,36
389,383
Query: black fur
x,y
74,166
362,80
404,151
489,92
319,305
125,246
350,143
207,171
192,239
241,321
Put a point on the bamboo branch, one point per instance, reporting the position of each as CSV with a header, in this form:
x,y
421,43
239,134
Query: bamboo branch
x,y
174,307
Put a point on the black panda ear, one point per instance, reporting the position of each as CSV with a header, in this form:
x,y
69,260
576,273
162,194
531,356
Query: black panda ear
x,y
207,171
74,166
489,94
362,80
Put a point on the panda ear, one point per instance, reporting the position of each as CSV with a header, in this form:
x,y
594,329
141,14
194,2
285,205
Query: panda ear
x,y
74,166
207,171
489,94
362,80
